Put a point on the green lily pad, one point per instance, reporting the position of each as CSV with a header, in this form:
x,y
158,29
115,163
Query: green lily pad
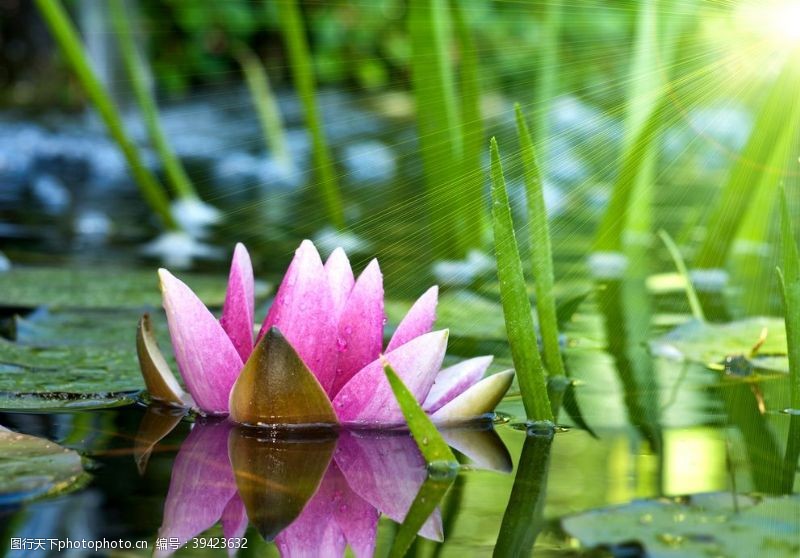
x,y
72,359
717,524
712,344
32,467
30,287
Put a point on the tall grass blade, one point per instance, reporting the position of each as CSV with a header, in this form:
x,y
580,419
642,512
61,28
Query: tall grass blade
x,y
430,494
141,84
437,122
305,83
514,299
780,111
269,114
691,294
472,132
547,87
523,521
431,444
67,38
541,253
790,283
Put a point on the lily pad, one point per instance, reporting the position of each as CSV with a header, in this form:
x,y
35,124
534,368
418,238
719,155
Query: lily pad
x,y
712,344
30,287
32,467
72,359
716,524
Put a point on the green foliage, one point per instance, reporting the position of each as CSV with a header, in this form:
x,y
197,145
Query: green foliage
x,y
70,45
541,255
305,83
514,298
675,253
137,71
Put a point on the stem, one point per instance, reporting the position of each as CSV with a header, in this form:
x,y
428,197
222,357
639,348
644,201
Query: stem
x,y
67,37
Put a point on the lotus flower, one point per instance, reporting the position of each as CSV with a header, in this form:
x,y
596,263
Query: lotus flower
x,y
318,356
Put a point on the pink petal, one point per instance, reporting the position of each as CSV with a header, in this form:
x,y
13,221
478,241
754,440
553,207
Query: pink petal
x,y
340,278
234,518
238,310
368,399
201,486
207,359
303,310
477,401
357,519
453,380
387,471
418,321
360,332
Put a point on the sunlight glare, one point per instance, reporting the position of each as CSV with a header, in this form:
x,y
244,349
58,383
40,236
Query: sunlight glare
x,y
777,21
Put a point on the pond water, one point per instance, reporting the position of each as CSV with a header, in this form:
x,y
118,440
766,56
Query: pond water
x,y
656,413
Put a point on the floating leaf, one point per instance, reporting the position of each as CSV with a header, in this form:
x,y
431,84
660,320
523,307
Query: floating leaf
x,y
431,444
717,524
712,343
98,287
275,387
32,467
276,476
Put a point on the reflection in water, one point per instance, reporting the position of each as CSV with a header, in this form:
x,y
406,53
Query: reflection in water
x,y
312,496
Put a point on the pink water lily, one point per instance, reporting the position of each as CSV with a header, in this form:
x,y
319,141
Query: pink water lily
x,y
334,323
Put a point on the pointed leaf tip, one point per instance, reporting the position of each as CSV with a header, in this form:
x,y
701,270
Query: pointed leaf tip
x,y
158,378
277,388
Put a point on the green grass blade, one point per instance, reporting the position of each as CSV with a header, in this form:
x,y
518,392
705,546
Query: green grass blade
x,y
431,444
305,83
430,494
523,521
67,38
549,64
264,101
541,255
780,111
140,82
437,122
691,294
514,298
472,131
790,282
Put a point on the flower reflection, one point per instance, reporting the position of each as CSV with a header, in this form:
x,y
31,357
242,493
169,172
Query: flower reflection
x,y
312,496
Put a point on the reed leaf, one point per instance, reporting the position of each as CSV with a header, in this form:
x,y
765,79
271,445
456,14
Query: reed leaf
x,y
691,294
269,114
514,299
541,253
304,81
139,76
779,111
68,41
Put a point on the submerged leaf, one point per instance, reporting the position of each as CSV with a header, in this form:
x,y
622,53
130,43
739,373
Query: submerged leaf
x,y
32,467
275,387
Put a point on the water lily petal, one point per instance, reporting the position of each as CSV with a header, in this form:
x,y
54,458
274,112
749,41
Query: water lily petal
x,y
238,311
478,400
454,380
158,377
482,446
207,359
201,486
360,332
386,470
357,519
340,278
418,321
156,423
234,519
303,309
368,400
276,388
